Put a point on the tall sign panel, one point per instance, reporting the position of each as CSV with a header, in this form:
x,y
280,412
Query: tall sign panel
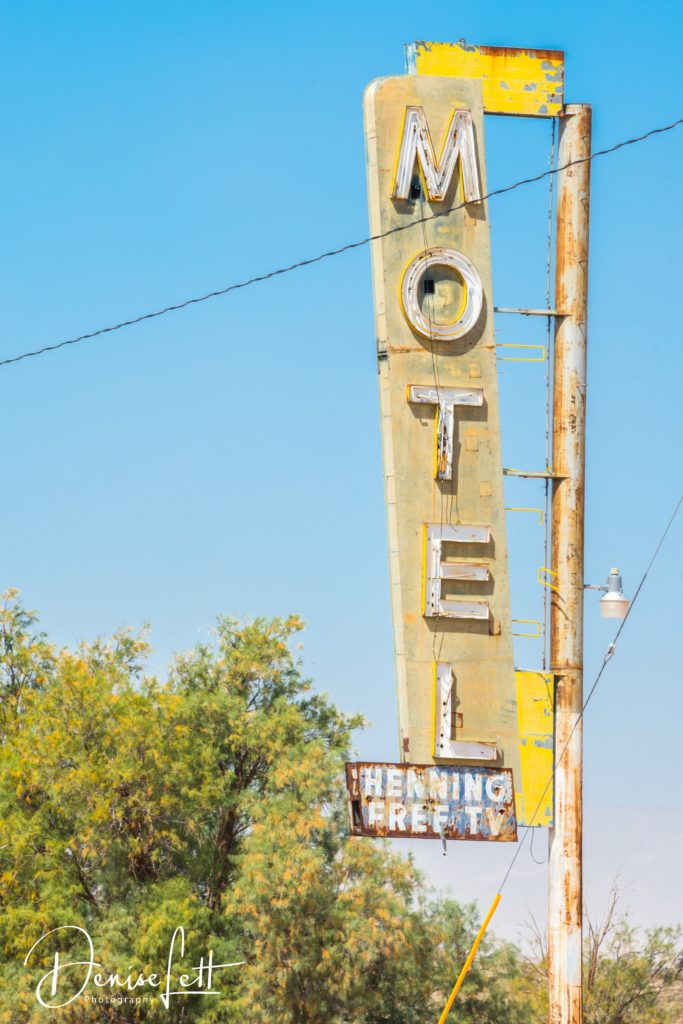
x,y
440,422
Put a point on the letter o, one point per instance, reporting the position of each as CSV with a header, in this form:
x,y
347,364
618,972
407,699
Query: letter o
x,y
410,289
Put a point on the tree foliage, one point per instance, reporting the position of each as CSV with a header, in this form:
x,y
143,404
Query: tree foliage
x,y
130,806
632,978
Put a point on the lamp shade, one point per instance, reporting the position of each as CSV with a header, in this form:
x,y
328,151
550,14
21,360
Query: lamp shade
x,y
613,603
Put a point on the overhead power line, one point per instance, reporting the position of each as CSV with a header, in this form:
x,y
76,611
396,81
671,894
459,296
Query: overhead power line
x,y
331,252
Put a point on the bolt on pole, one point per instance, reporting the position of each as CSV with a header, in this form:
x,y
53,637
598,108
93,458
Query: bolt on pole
x,y
565,896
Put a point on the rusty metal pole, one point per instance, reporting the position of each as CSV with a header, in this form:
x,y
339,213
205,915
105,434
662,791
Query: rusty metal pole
x,y
566,610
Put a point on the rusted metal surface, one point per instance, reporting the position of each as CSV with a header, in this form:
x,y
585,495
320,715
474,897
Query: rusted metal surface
x,y
431,801
566,610
513,80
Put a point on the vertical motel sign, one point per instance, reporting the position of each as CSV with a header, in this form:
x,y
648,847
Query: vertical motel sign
x,y
440,422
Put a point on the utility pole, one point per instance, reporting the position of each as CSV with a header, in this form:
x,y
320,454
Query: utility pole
x,y
565,896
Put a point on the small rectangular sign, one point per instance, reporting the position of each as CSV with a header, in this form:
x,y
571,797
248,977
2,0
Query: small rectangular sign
x,y
431,801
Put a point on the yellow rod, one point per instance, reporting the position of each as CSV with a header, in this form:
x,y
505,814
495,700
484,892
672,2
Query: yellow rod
x,y
468,963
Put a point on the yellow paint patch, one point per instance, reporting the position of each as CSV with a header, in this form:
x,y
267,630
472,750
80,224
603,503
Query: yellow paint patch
x,y
535,721
522,82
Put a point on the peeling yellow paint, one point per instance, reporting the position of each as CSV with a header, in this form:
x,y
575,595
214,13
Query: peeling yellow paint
x,y
535,721
522,82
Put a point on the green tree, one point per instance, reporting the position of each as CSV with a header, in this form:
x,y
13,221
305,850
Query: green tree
x,y
632,977
212,800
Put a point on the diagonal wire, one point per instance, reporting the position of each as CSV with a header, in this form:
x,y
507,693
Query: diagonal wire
x,y
608,654
332,252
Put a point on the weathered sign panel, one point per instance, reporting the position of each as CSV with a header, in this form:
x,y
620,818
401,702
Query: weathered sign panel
x,y
514,81
535,695
431,801
440,421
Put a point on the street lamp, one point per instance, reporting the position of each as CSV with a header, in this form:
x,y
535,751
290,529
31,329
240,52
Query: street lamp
x,y
613,603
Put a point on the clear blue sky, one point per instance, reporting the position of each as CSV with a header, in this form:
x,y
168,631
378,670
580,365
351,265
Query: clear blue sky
x,y
227,458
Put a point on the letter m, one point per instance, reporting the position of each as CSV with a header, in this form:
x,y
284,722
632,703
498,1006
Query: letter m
x,y
437,174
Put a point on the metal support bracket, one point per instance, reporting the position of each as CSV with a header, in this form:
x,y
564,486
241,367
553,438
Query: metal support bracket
x,y
547,475
529,622
523,359
528,312
547,583
517,508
